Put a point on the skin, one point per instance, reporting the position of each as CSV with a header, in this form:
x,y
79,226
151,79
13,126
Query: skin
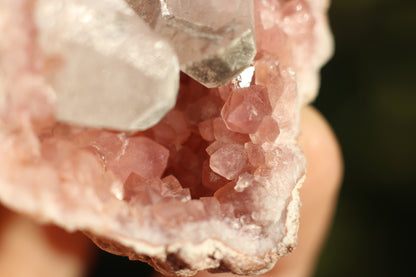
x,y
28,249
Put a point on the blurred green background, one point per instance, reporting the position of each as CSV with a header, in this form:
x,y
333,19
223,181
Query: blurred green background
x,y
368,94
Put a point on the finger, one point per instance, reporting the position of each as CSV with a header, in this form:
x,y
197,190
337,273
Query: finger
x,y
28,249
318,194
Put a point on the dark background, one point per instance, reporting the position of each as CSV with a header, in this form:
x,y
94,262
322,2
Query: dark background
x,y
368,94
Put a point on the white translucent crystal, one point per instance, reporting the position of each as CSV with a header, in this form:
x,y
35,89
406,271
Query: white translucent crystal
x,y
109,68
214,39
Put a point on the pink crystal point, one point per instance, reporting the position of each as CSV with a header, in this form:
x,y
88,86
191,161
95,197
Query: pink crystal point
x,y
229,160
212,186
268,130
223,134
210,179
245,109
124,155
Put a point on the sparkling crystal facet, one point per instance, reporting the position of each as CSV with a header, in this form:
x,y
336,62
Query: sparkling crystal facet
x,y
214,39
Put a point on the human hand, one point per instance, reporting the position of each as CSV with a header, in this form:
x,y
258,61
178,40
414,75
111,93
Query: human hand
x,y
31,250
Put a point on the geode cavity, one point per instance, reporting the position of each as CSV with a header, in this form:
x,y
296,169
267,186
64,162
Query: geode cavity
x,y
213,185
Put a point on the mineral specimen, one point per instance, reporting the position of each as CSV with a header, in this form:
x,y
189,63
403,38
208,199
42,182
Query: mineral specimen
x,y
212,186
214,39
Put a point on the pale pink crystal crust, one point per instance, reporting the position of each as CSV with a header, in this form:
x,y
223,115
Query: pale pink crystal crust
x,y
214,185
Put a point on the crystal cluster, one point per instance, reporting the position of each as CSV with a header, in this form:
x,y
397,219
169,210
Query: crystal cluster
x,y
214,184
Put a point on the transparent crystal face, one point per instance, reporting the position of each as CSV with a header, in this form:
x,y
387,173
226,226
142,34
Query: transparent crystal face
x,y
214,40
107,68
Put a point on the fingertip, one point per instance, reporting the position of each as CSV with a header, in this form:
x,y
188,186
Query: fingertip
x,y
322,151
43,250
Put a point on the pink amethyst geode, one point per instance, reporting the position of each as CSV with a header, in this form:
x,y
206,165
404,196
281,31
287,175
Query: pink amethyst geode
x,y
214,185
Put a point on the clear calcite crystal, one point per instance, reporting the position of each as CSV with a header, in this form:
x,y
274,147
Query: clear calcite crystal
x,y
214,39
105,65
212,186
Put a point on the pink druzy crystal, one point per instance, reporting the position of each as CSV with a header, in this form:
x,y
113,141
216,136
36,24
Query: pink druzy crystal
x,y
229,161
245,108
212,186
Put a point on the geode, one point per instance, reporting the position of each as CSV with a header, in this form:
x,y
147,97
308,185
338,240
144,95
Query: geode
x,y
214,184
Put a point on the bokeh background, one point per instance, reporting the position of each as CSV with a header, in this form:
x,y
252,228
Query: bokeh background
x,y
368,94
